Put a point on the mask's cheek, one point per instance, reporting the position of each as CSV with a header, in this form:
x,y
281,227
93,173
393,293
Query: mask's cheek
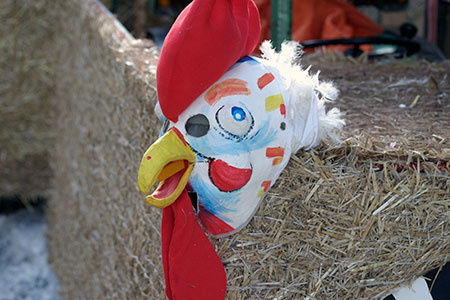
x,y
262,172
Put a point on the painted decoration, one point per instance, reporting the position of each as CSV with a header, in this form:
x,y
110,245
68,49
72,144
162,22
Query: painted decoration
x,y
239,133
224,152
242,131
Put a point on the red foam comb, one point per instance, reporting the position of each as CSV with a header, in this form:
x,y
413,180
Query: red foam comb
x,y
207,38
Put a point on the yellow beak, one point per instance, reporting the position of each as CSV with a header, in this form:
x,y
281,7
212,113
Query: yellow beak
x,y
169,161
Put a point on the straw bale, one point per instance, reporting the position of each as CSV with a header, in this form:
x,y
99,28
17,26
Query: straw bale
x,y
26,86
346,222
393,106
104,240
358,220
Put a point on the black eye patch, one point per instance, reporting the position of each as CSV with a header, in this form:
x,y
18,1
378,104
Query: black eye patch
x,y
197,126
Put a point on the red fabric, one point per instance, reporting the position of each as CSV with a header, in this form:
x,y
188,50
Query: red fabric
x,y
213,224
321,19
207,38
192,268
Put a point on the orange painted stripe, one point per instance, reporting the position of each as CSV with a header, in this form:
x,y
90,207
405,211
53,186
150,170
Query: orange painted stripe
x,y
266,185
261,193
277,161
274,152
265,80
226,88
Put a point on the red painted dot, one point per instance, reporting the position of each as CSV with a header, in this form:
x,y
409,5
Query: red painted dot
x,y
149,157
283,110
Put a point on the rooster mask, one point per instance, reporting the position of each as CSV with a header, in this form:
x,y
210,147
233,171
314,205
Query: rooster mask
x,y
232,122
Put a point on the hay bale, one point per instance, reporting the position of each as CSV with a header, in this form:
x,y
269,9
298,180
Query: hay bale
x,y
26,86
356,221
348,222
104,240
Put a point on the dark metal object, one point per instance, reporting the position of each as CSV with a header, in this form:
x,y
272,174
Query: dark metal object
x,y
386,5
405,46
410,46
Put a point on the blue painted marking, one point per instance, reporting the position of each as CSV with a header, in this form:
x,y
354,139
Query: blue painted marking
x,y
212,199
248,59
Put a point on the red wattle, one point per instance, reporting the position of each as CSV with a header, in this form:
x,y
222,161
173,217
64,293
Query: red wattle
x,y
228,178
213,224
192,268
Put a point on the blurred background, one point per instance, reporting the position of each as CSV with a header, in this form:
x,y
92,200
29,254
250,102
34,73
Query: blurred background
x,y
429,20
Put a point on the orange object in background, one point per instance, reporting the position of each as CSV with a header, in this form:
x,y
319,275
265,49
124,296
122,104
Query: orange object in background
x,y
321,19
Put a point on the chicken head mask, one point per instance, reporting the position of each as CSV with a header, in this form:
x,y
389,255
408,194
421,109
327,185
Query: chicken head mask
x,y
231,124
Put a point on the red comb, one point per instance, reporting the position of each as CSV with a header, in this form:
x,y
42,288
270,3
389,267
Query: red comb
x,y
207,38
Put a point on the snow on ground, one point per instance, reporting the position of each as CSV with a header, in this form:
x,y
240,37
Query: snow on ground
x,y
24,271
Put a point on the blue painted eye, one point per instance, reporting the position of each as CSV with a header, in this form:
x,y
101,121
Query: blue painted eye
x,y
235,121
238,113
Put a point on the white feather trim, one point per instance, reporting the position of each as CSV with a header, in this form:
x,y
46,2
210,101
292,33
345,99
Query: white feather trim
x,y
307,95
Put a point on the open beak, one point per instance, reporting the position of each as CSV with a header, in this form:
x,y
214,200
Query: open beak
x,y
169,161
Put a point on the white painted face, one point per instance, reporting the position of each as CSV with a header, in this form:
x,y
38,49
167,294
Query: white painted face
x,y
238,131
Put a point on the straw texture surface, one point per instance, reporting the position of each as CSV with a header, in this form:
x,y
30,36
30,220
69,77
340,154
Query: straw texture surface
x,y
343,222
26,86
104,241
